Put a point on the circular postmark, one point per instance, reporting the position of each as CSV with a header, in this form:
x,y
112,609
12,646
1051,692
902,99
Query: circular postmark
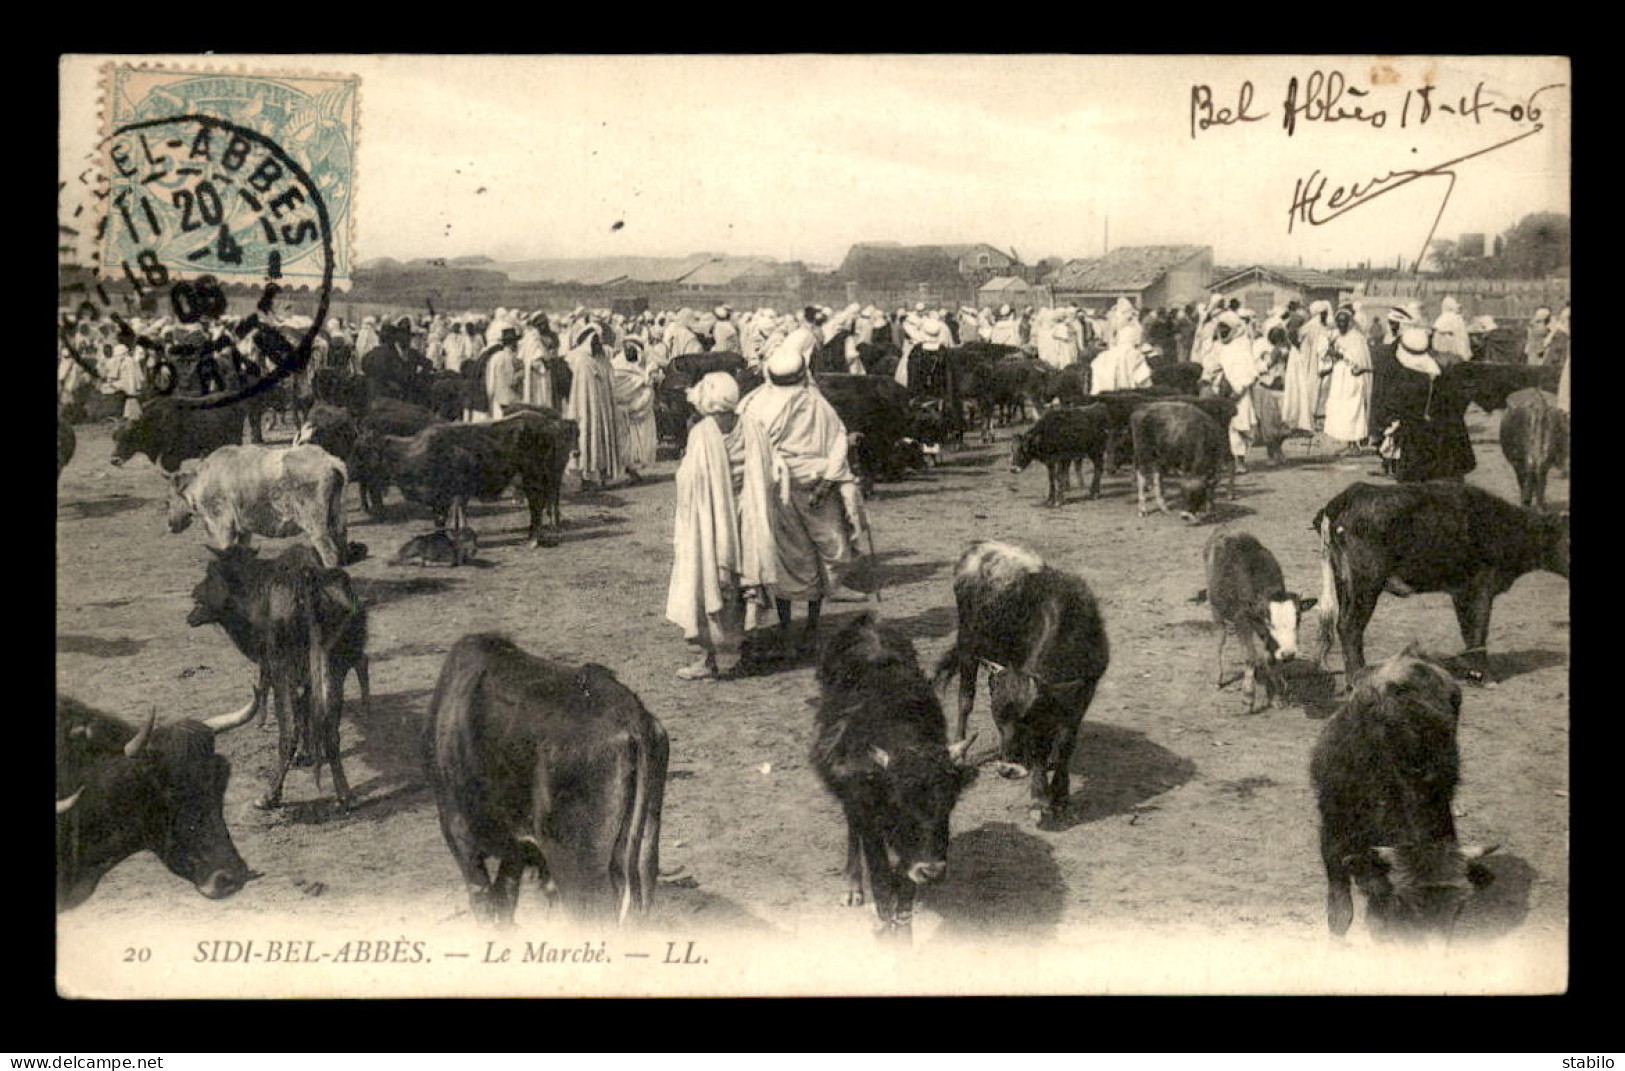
x,y
191,200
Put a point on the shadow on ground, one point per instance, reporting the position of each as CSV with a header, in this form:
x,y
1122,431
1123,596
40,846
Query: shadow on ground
x,y
376,591
95,508
98,647
1121,769
1501,906
1002,882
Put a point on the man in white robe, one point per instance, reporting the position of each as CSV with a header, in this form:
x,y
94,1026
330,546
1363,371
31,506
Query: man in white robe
x,y
592,406
1121,366
725,335
724,557
1450,331
1006,330
1303,370
1347,368
634,411
816,530
1235,368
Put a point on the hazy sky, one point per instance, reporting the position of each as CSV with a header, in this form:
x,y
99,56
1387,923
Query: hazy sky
x,y
798,157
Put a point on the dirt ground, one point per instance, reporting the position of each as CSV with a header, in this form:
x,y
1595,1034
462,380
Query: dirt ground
x,y
1191,838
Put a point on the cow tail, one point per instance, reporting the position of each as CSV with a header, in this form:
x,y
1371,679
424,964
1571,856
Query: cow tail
x,y
1328,591
640,852
337,521
316,725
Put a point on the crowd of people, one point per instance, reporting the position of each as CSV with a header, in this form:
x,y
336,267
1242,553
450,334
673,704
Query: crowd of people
x,y
768,511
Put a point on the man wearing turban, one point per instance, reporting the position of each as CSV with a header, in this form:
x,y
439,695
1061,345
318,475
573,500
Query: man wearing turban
x,y
724,559
1450,331
1347,370
634,408
818,520
1235,368
1298,404
592,406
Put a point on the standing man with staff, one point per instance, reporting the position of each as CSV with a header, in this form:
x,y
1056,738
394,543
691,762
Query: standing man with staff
x,y
816,531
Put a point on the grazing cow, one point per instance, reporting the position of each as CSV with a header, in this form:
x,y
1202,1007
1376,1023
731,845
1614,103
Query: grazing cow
x,y
1425,537
1247,592
122,791
304,627
1064,437
1040,635
169,433
539,764
443,466
1178,436
1385,770
881,748
246,491
439,548
876,411
66,440
1534,437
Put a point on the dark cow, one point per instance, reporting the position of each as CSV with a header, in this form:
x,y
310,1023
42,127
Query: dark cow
x,y
441,547
1385,772
66,440
121,791
340,388
881,748
1182,377
1534,437
1040,635
338,430
1490,385
304,627
998,379
673,413
1426,537
876,413
444,466
1064,437
1178,436
1247,592
540,764
169,433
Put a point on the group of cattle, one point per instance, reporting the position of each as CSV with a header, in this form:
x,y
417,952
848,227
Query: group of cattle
x,y
559,768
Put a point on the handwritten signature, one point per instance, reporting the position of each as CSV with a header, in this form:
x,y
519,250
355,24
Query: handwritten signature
x,y
1329,97
1313,205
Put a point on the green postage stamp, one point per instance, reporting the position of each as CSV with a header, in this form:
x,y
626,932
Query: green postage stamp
x,y
241,176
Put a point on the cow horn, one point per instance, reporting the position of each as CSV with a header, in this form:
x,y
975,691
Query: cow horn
x,y
139,741
226,722
64,806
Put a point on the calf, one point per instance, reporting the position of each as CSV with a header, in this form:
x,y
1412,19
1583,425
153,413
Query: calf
x,y
1060,438
1534,437
539,764
1040,635
882,750
440,547
1385,770
304,627
159,789
1423,537
1178,436
1247,592
246,491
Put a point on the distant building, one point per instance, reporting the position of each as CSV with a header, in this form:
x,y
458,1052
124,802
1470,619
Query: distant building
x,y
1013,291
887,266
1150,276
1261,287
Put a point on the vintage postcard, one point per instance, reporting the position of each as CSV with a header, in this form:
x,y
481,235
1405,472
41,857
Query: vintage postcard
x,y
573,525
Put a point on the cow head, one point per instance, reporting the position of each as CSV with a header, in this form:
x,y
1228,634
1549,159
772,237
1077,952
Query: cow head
x,y
160,790
128,438
179,504
1279,629
1027,712
212,597
1020,453
1554,536
1415,891
920,787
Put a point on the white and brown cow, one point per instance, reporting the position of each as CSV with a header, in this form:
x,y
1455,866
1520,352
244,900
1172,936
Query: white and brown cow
x,y
1248,593
243,491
